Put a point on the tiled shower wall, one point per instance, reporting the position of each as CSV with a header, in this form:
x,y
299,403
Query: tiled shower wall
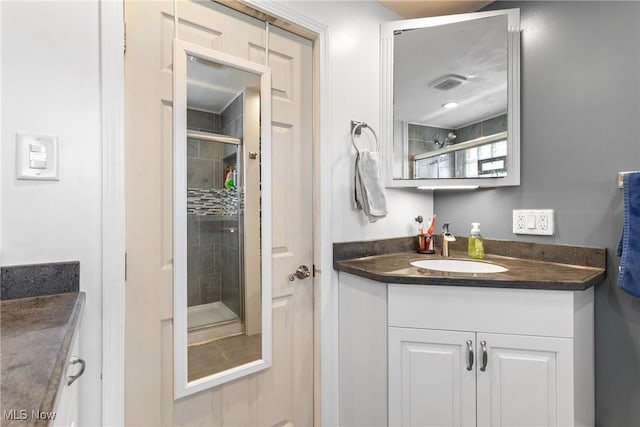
x,y
421,139
213,254
232,118
204,170
483,128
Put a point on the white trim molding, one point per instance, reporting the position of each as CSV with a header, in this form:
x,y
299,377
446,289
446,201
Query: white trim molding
x,y
113,210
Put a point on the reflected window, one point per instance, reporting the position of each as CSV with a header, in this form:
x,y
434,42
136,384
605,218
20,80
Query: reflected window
x,y
487,160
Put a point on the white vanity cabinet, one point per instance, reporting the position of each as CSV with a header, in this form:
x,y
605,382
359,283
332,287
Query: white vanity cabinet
x,y
405,355
463,356
439,378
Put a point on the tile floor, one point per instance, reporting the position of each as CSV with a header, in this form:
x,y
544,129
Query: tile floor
x,y
221,354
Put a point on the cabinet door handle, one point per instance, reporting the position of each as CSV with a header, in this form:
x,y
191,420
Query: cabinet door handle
x,y
483,344
469,355
74,360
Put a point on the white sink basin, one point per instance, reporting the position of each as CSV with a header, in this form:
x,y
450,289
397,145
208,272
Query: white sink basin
x,y
458,266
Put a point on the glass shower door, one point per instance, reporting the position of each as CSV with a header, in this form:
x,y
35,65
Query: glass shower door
x,y
215,231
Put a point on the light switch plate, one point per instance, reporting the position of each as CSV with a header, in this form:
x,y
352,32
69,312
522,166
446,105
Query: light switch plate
x,y
36,157
533,221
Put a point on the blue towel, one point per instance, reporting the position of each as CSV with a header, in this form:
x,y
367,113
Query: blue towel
x,y
629,246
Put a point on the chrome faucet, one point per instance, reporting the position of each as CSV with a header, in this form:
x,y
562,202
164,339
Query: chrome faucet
x,y
446,238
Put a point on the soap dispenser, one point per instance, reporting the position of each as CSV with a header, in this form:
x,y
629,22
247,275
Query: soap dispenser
x,y
476,245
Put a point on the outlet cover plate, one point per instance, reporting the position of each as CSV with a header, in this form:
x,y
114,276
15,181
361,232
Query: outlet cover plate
x,y
533,221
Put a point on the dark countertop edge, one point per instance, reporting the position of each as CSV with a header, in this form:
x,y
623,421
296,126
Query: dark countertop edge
x,y
581,257
56,383
481,282
558,253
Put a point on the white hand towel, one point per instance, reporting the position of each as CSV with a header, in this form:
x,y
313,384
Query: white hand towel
x,y
369,186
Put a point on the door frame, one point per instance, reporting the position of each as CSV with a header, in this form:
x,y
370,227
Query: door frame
x,y
112,44
325,303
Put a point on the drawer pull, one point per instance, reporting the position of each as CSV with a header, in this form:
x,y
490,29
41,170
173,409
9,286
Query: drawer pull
x,y
484,356
75,360
469,355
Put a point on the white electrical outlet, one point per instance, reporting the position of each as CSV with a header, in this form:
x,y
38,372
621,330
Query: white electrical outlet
x,y
519,221
533,221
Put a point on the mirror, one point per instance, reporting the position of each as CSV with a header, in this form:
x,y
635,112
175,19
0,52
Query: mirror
x,y
450,104
222,312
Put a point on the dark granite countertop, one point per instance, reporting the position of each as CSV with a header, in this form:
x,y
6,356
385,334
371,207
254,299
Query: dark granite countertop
x,y
36,337
532,266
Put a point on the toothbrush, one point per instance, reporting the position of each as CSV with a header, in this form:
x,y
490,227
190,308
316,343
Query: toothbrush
x,y
432,223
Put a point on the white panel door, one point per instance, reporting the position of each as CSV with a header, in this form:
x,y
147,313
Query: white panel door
x,y
283,394
286,390
528,381
429,380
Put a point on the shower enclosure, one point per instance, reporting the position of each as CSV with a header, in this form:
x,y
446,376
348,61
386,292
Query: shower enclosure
x,y
215,284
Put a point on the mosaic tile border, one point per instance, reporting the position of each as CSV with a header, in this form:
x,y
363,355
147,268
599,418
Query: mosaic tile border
x,y
215,201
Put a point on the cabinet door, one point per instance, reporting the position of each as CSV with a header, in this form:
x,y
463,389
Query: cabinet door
x,y
429,383
66,411
528,381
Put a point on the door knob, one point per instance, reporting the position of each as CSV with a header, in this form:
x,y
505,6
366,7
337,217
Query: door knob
x,y
301,273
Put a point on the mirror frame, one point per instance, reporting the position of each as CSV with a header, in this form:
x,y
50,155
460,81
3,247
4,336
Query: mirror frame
x,y
182,386
513,100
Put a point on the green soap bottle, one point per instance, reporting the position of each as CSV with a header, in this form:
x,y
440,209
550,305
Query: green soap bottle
x,y
476,246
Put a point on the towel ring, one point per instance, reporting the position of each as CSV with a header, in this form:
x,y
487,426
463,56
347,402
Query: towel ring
x,y
356,129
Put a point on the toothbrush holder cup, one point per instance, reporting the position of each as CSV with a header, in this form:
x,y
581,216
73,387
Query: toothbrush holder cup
x,y
424,244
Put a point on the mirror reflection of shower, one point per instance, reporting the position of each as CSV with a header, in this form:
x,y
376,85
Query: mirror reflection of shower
x,y
222,305
224,327
215,223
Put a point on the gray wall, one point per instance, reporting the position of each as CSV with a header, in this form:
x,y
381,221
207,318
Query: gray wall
x,y
580,126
